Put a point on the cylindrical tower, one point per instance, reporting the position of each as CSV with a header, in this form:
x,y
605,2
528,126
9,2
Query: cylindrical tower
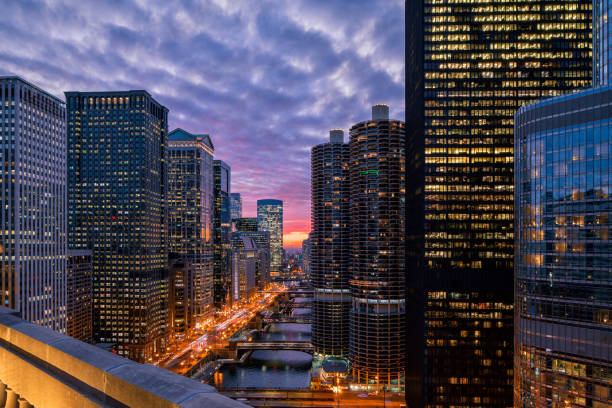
x,y
377,325
330,246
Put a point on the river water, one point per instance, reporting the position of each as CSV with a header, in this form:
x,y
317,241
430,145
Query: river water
x,y
271,369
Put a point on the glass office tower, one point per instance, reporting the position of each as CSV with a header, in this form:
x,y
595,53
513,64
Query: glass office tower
x,y
377,185
270,218
470,66
33,197
331,246
235,205
563,292
117,208
222,231
190,209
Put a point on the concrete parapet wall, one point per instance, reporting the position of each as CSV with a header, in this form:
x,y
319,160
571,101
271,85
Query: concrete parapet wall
x,y
49,369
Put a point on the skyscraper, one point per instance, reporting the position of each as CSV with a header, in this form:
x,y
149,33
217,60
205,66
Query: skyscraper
x,y
222,231
235,205
469,68
563,293
331,246
376,172
190,210
117,208
270,218
33,192
262,241
244,266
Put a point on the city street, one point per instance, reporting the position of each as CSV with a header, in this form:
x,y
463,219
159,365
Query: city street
x,y
189,352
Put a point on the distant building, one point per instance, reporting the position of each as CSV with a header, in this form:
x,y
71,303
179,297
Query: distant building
x,y
307,256
329,260
117,208
235,206
245,224
376,169
262,241
222,230
244,264
33,186
79,304
270,218
190,211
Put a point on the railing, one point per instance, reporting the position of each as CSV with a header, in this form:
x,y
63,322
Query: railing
x,y
46,369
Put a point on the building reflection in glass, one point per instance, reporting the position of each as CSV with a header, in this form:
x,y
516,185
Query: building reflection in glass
x,y
563,292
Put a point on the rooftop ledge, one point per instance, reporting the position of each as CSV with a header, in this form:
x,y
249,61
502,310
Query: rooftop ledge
x,y
49,369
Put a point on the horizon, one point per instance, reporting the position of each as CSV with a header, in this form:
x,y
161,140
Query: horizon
x,y
266,83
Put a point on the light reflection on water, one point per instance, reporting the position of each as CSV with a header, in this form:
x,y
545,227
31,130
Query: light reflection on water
x,y
272,369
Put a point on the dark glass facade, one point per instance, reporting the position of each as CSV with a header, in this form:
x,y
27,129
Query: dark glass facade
x,y
563,293
190,208
116,195
235,205
222,231
245,224
79,295
470,66
330,255
377,176
182,296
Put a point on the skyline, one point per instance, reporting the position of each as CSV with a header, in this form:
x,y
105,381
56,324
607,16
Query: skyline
x,y
307,64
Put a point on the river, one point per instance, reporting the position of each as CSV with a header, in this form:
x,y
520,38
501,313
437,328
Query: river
x,y
277,369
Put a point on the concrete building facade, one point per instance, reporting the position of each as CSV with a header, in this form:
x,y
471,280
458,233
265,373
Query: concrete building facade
x,y
33,192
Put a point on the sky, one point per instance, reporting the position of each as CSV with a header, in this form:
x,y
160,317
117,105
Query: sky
x,y
266,79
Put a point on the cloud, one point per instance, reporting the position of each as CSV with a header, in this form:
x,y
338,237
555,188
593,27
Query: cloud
x,y
265,79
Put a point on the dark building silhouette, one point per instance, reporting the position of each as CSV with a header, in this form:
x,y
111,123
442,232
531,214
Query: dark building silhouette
x,y
222,231
79,295
116,195
182,296
469,68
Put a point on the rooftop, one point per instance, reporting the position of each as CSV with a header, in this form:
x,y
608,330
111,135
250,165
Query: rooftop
x,y
53,370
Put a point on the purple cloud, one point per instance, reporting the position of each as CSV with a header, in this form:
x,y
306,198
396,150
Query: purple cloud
x,y
265,79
